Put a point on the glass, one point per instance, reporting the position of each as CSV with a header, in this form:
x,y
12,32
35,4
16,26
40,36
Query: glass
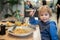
x,y
2,29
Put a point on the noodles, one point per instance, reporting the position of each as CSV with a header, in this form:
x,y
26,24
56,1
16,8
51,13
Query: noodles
x,y
21,31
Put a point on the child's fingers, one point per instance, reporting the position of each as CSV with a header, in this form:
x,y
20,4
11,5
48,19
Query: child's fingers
x,y
31,13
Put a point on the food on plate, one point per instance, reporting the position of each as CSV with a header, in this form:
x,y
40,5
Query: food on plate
x,y
21,31
21,24
24,24
9,24
17,23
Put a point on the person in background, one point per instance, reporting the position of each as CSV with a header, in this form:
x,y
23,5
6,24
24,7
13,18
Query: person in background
x,y
58,10
28,5
44,2
48,28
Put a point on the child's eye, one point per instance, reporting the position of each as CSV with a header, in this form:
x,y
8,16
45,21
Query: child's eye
x,y
41,15
46,14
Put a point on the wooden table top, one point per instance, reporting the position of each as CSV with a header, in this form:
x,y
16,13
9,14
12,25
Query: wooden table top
x,y
34,36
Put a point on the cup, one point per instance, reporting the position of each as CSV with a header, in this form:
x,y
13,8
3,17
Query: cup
x,y
2,29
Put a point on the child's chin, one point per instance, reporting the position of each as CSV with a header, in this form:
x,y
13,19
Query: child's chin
x,y
44,21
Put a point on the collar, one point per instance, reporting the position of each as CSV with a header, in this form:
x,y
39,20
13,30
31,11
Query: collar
x,y
45,23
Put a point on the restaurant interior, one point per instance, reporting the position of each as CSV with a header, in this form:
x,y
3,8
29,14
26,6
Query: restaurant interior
x,y
14,14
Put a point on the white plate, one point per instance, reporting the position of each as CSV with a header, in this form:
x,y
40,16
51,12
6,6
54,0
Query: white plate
x,y
25,34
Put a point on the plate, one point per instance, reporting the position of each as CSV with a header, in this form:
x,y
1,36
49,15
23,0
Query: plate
x,y
20,31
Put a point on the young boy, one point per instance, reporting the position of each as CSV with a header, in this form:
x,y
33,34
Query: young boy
x,y
48,28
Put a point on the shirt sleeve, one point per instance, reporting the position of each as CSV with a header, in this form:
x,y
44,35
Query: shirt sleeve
x,y
32,20
53,31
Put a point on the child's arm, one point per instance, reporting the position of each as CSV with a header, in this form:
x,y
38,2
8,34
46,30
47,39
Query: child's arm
x,y
32,19
53,31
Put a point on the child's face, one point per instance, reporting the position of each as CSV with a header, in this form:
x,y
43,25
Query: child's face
x,y
44,16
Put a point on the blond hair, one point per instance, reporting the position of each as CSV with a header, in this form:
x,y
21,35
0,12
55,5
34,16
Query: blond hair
x,y
45,8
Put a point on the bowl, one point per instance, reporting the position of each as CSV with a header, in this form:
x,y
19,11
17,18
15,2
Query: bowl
x,y
20,31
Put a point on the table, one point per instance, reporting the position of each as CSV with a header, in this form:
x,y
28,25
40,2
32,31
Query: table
x,y
35,36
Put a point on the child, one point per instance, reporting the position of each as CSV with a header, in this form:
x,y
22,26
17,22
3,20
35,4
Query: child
x,y
48,28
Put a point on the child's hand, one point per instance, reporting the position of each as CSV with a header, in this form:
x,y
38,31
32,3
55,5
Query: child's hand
x,y
32,13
